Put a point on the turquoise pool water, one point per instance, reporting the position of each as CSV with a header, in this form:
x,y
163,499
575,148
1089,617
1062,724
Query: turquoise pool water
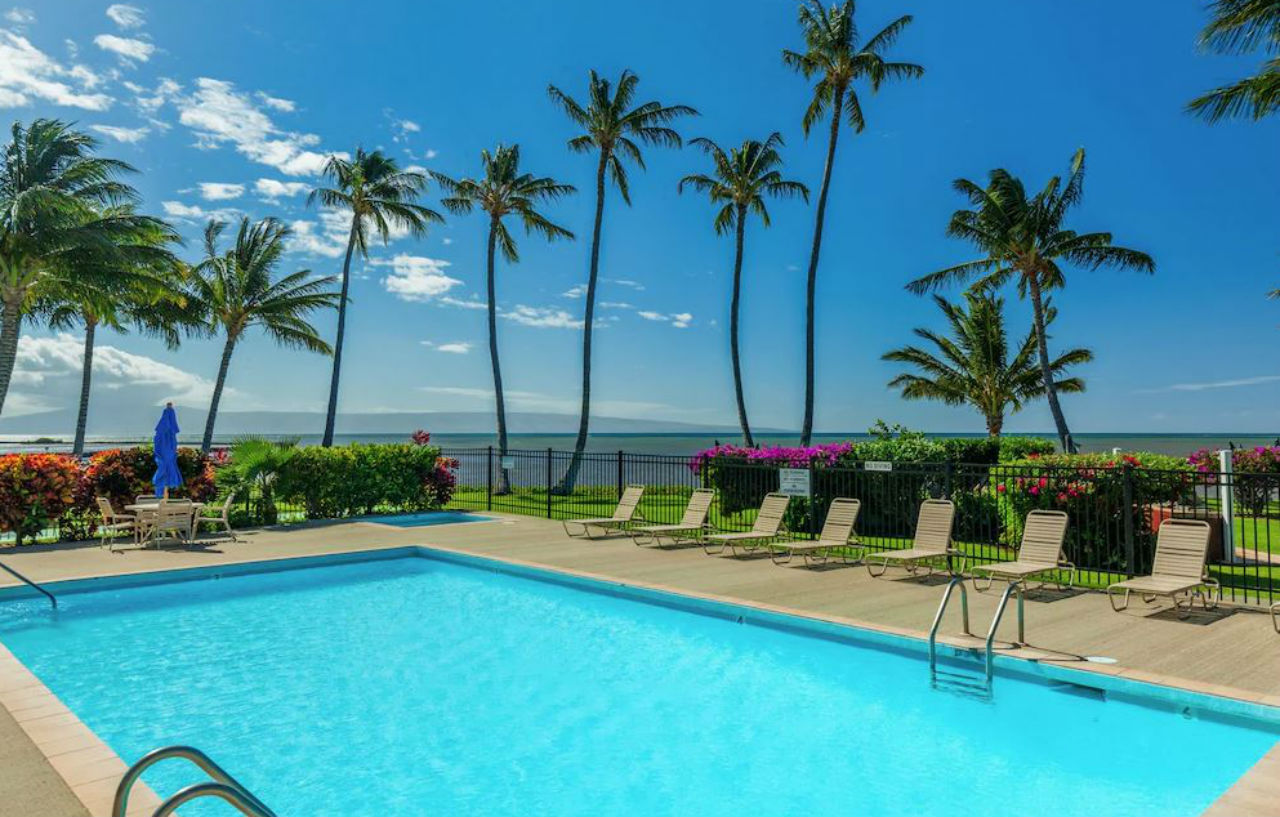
x,y
413,686
417,520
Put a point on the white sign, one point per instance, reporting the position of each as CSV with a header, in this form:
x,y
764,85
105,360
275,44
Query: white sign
x,y
508,463
877,465
793,481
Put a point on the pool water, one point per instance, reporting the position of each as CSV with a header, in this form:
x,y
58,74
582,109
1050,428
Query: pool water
x,y
417,520
413,686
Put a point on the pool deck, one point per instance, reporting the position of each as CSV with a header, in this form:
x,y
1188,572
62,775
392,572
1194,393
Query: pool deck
x,y
55,767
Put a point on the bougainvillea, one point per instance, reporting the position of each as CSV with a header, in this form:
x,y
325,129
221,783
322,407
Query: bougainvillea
x,y
35,490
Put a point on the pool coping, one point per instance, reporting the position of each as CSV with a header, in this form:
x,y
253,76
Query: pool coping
x,y
1254,793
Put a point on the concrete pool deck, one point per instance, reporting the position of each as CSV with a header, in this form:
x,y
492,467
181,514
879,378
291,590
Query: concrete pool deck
x,y
1232,653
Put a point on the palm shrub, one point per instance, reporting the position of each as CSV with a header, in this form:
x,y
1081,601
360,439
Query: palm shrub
x,y
252,470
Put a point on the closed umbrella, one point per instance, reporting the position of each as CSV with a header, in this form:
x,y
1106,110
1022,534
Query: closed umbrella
x,y
166,453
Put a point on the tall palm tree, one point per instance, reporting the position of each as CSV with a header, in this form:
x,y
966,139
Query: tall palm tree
x,y
58,202
1243,27
238,289
380,197
1023,238
972,366
740,180
614,129
138,285
504,191
834,53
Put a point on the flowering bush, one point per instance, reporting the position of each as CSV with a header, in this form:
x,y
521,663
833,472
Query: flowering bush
x,y
1258,471
35,490
122,474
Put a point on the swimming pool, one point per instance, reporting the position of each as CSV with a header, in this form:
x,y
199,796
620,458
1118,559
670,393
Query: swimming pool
x,y
427,518
413,685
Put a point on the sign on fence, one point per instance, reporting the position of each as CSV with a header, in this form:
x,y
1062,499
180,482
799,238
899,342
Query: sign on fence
x,y
508,463
794,482
877,465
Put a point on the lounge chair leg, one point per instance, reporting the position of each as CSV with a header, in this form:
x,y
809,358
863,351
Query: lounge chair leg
x,y
1111,597
884,568
784,557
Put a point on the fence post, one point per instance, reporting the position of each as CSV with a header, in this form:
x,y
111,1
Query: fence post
x,y
1127,470
620,486
1227,505
548,483
488,471
813,505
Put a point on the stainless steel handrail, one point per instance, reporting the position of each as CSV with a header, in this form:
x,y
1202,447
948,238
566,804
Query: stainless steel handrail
x,y
222,781
995,624
235,797
957,581
52,598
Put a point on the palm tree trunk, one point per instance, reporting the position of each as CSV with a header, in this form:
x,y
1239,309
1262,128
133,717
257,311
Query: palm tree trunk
x,y
217,393
806,428
733,329
86,380
580,444
332,415
10,325
1042,346
995,425
504,485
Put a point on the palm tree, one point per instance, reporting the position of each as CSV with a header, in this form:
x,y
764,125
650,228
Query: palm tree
x,y
834,54
58,203
614,130
973,367
380,197
238,289
504,191
138,285
741,178
1023,238
1242,27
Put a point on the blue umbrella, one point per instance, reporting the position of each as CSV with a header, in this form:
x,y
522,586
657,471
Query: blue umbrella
x,y
166,452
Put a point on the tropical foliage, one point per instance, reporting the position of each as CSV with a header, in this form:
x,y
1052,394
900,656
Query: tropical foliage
x,y
356,479
1023,239
972,366
1243,27
35,490
835,55
741,179
380,197
121,474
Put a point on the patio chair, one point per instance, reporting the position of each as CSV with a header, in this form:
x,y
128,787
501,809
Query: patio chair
x,y
173,519
932,541
1182,548
691,526
1040,552
768,528
837,532
220,516
626,512
113,523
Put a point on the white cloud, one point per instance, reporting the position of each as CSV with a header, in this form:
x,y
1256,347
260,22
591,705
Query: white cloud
x,y
680,320
126,16
27,74
277,103
472,303
416,278
126,47
575,292
542,317
194,212
273,189
431,154
220,191
652,316
615,305
127,135
457,347
20,16
625,282
1219,384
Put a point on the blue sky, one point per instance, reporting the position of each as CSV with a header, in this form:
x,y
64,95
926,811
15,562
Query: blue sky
x,y
229,108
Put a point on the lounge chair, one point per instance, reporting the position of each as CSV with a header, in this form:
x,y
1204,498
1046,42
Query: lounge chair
x,y
1039,553
113,523
1275,616
768,528
932,542
1182,547
691,526
837,532
222,517
174,518
626,512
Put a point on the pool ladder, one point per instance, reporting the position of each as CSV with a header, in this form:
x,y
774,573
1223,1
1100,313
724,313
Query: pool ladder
x,y
989,647
222,785
52,598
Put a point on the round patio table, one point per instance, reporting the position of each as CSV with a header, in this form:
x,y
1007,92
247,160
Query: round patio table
x,y
144,509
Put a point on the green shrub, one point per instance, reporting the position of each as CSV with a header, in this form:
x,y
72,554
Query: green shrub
x,y
360,479
35,490
1017,448
122,474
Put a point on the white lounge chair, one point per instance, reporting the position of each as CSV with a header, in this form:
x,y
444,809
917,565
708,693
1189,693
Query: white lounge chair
x,y
1178,570
932,542
691,526
628,510
768,528
1040,553
837,532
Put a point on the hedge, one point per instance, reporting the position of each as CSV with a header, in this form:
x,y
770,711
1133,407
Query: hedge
x,y
357,479
35,491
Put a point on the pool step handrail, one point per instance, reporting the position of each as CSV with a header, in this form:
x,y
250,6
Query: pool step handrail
x,y
52,598
1014,586
956,581
223,785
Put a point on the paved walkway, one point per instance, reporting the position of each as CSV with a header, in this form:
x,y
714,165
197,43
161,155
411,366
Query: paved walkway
x,y
1231,652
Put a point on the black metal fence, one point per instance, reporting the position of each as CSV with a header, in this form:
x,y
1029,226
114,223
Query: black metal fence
x,y
1115,512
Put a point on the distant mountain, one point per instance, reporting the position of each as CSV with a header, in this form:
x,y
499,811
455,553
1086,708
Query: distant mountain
x,y
61,424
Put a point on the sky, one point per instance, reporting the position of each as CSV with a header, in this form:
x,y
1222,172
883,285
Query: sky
x,y
230,109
